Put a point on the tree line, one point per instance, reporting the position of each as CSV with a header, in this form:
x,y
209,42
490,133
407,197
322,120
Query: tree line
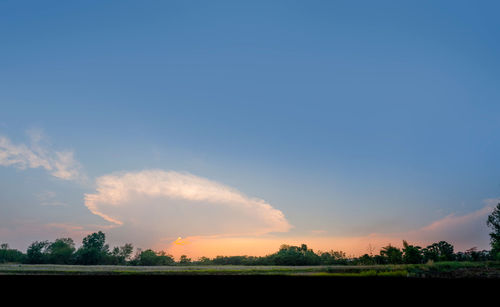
x,y
95,251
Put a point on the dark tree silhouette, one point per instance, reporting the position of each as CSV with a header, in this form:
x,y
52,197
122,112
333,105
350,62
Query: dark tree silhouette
x,y
120,255
412,254
440,251
37,252
392,254
94,250
150,257
494,223
10,255
184,260
61,251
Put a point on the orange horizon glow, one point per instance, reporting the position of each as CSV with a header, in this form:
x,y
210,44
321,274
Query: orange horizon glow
x,y
211,247
450,228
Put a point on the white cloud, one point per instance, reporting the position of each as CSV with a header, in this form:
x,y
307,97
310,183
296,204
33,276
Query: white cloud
x,y
60,164
158,203
462,231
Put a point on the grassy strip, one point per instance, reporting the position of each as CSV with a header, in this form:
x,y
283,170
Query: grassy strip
x,y
440,269
159,272
367,273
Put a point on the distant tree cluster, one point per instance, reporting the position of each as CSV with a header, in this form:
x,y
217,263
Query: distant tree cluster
x,y
286,255
410,254
95,251
150,257
11,255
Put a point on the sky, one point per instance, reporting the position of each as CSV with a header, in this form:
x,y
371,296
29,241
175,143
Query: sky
x,y
231,127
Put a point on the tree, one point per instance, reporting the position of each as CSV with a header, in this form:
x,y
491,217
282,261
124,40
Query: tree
x,y
150,257
10,255
94,250
204,260
441,251
445,251
120,255
294,255
494,223
472,254
95,240
184,260
61,251
333,257
147,257
37,252
165,259
392,254
366,260
412,254
380,259
431,253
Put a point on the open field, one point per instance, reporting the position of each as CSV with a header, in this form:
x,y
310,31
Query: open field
x,y
435,270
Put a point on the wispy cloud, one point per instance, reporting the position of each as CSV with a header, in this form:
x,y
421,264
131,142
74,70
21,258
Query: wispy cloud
x,y
49,198
160,203
463,231
60,164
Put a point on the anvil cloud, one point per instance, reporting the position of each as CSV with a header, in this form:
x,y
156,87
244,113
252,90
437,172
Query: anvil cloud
x,y
167,203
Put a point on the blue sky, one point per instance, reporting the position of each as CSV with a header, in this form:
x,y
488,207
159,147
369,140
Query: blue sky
x,y
350,117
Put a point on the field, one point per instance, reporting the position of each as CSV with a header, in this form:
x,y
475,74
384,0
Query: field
x,y
484,270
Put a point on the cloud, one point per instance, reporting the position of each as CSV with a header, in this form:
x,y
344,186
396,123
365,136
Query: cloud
x,y
158,204
462,231
60,164
185,214
49,198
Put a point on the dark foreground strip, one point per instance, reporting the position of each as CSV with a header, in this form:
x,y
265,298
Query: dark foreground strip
x,y
259,284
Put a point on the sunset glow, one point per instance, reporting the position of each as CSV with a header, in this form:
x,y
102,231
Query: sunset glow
x,y
231,128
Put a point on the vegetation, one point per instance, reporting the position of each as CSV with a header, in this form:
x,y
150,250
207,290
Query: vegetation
x,y
494,223
95,251
454,269
11,255
61,251
150,257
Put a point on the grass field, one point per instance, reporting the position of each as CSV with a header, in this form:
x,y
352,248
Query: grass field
x,y
432,270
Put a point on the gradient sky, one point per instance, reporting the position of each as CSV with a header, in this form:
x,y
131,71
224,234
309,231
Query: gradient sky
x,y
239,126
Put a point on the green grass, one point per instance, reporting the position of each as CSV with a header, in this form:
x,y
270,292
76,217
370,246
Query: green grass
x,y
367,273
439,269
